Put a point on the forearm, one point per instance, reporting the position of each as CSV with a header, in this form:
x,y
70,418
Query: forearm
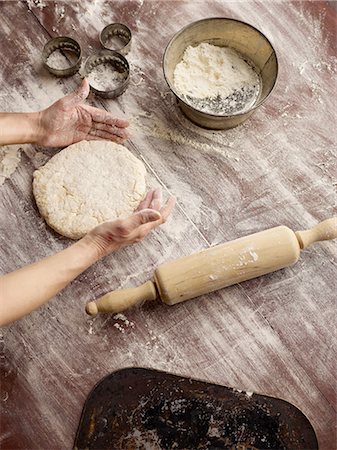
x,y
26,289
19,128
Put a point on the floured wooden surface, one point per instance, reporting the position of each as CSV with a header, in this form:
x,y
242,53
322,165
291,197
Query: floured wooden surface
x,y
273,335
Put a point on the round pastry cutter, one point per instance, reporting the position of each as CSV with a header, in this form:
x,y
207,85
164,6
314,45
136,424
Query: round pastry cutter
x,y
117,37
108,73
62,56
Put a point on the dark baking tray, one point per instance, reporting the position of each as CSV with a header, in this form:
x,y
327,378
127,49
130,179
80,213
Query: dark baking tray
x,y
149,410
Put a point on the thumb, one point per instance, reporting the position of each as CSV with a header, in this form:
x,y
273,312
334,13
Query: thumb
x,y
144,216
141,218
80,94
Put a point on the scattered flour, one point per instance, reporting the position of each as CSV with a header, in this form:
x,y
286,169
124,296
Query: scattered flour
x,y
152,126
9,160
60,12
62,59
216,79
115,42
40,158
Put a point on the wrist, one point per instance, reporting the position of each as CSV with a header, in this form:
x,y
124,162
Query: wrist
x,y
34,128
93,246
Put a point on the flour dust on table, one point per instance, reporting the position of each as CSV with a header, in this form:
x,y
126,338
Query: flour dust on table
x,y
86,184
216,80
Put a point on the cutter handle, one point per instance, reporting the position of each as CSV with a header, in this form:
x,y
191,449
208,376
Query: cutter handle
x,y
118,301
323,231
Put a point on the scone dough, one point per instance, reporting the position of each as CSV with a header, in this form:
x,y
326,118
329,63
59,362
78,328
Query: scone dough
x,y
86,184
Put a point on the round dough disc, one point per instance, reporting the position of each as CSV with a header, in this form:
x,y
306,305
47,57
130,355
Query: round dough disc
x,y
86,184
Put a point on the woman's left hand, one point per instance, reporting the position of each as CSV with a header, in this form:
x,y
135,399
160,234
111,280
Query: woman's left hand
x,y
69,120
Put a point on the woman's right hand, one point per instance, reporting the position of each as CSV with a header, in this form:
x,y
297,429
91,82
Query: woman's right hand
x,y
112,236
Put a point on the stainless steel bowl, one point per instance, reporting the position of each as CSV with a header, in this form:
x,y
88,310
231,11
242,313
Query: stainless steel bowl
x,y
223,32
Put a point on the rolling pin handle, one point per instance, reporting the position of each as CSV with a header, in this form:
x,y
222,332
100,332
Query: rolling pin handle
x,y
117,301
323,231
91,309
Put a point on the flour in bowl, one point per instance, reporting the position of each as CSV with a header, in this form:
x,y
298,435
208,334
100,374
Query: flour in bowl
x,y
216,80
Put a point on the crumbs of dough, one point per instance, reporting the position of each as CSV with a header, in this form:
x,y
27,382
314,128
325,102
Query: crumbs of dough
x,y
123,323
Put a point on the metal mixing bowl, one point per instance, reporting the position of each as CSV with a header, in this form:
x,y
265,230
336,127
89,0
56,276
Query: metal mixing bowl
x,y
240,36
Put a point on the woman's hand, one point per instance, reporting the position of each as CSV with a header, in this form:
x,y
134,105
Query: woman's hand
x,y
69,120
112,236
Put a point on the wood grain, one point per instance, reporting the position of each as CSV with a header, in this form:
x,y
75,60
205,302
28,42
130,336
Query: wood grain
x,y
274,335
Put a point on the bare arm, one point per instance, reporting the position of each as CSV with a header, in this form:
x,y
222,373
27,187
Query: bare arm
x,y
28,288
19,128
66,121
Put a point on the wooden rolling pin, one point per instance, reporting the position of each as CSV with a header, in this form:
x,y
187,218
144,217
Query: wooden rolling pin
x,y
218,267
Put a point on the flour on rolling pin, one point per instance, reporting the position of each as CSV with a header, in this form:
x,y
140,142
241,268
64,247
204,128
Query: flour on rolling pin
x,y
216,80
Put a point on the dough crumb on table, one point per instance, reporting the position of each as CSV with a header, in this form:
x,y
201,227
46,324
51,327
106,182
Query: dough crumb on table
x,y
9,160
122,322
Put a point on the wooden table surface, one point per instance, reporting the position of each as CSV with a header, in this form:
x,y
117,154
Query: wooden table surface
x,y
275,335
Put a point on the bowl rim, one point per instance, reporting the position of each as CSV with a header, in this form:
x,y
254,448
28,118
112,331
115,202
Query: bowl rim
x,y
181,31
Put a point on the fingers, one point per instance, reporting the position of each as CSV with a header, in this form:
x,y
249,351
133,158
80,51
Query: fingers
x,y
146,202
120,132
156,199
143,221
106,126
95,135
102,116
152,200
83,90
164,214
76,97
167,209
146,216
132,223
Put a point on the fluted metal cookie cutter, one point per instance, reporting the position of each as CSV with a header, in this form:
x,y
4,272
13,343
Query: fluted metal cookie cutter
x,y
62,43
116,32
118,64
